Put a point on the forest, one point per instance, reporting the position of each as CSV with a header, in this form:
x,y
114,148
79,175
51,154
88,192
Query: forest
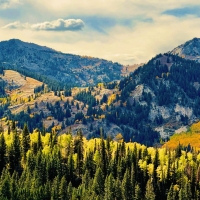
x,y
46,166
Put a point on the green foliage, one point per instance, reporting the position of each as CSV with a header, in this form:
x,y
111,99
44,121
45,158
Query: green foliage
x,y
66,167
25,140
86,97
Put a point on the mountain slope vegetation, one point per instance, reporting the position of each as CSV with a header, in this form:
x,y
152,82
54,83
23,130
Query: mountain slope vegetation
x,y
44,167
154,101
49,65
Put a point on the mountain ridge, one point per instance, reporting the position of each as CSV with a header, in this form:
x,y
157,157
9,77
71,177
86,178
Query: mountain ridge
x,y
64,68
188,50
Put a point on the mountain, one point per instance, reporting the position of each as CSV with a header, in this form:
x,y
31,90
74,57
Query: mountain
x,y
189,50
162,95
159,98
48,64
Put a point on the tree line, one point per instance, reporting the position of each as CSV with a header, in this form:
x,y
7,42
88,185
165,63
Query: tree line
x,y
44,166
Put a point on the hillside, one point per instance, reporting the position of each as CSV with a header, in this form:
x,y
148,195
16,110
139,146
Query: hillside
x,y
44,167
189,50
158,99
162,95
189,139
46,64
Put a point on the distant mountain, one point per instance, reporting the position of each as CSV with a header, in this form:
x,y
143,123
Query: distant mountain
x,y
189,50
64,68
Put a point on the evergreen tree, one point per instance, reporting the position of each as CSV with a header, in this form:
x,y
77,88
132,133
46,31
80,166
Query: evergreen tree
x,y
78,148
55,189
16,150
39,141
172,194
9,129
109,188
63,189
118,189
138,193
2,152
127,189
149,194
13,125
25,140
5,187
98,183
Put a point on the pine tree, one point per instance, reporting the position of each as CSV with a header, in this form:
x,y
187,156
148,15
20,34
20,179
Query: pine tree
x,y
172,194
55,189
9,129
127,189
16,150
2,152
118,189
70,165
63,189
25,140
11,159
78,148
185,191
5,186
69,191
103,156
98,182
138,193
109,188
13,125
39,141
149,194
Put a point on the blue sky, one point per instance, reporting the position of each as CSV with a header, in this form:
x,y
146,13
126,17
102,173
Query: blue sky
x,y
124,31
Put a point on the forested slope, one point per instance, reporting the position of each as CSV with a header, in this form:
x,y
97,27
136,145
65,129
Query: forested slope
x,y
46,167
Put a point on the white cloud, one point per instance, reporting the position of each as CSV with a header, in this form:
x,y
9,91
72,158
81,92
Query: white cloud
x,y
4,4
56,25
16,25
60,25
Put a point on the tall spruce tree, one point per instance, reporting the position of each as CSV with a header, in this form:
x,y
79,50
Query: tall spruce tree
x,y
98,183
127,189
150,194
25,140
2,152
63,189
109,188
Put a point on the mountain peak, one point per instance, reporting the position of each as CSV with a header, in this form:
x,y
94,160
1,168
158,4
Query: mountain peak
x,y
189,50
16,43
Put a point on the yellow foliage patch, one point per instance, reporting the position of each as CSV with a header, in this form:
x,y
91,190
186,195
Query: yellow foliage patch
x,y
100,85
111,98
191,137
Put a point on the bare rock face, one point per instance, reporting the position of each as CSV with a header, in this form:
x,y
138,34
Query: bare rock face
x,y
189,50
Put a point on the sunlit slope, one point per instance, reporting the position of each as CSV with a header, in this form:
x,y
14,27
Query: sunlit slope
x,y
191,137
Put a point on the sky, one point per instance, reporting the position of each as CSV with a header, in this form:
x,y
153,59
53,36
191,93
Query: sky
x,y
125,31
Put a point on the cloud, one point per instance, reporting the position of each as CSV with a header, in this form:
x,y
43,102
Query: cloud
x,y
181,12
60,25
125,31
16,25
56,25
4,4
